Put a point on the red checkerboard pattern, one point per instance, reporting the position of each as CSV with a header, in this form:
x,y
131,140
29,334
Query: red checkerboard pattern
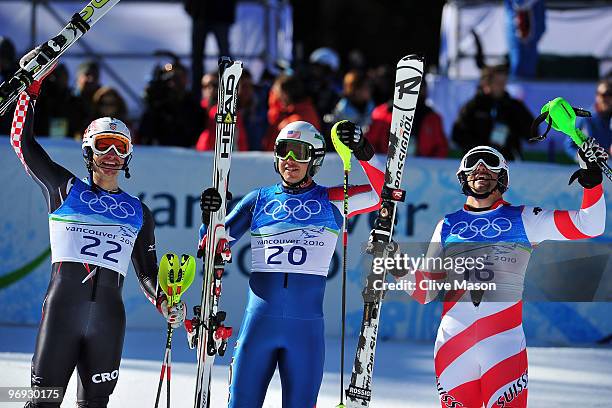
x,y
17,127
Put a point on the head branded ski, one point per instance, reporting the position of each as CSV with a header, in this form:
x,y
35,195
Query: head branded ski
x,y
211,333
409,75
48,53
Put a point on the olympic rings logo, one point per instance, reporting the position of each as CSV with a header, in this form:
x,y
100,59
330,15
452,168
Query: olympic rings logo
x,y
107,203
481,226
292,207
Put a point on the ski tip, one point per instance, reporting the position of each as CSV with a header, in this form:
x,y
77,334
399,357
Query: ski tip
x,y
413,57
226,62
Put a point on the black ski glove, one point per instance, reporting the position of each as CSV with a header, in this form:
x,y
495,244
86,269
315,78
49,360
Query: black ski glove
x,y
351,136
210,201
590,154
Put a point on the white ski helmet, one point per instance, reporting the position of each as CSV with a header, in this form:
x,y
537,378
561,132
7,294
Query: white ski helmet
x,y
492,160
325,56
304,133
106,126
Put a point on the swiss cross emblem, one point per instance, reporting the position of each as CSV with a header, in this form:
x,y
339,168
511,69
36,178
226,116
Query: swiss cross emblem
x,y
397,194
113,126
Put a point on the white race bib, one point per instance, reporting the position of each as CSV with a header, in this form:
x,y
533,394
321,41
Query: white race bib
x,y
95,227
306,250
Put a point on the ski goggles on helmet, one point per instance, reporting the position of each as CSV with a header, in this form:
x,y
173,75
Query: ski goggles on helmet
x,y
491,159
105,142
298,151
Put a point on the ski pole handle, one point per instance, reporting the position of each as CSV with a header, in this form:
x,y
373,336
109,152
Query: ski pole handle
x,y
343,151
175,275
167,273
188,270
562,117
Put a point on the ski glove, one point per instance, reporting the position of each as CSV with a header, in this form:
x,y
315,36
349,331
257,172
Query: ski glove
x,y
34,89
352,136
590,154
393,250
192,332
210,201
176,314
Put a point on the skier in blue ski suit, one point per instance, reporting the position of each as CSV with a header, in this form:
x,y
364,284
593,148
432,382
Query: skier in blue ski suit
x,y
294,226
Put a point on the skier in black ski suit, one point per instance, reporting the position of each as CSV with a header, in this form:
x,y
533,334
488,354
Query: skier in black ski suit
x,y
95,228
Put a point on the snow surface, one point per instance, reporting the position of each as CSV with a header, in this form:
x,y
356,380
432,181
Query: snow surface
x,y
576,377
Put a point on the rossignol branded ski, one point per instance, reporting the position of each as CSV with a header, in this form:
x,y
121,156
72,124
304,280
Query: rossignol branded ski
x,y
212,334
50,51
408,79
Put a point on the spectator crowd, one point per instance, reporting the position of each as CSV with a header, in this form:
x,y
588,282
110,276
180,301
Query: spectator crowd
x,y
318,91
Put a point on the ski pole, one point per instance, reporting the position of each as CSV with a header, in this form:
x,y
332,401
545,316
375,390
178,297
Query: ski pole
x,y
561,116
174,277
345,155
168,269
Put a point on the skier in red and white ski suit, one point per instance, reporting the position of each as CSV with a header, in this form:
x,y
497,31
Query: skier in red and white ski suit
x,y
480,355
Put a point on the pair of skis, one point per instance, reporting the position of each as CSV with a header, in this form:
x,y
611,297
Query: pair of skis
x,y
209,334
409,75
47,54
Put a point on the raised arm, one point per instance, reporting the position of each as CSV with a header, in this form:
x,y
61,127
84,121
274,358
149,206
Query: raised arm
x,y
53,179
590,220
587,222
362,198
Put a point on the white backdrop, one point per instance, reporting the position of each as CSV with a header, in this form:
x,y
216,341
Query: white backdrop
x,y
169,181
584,31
